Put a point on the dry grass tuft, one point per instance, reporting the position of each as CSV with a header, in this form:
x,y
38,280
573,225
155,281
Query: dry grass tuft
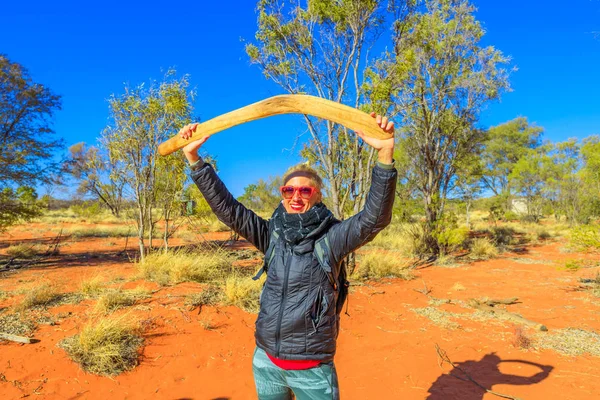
x,y
438,317
24,251
209,296
483,249
93,287
40,296
377,265
107,346
184,265
115,299
570,341
17,324
243,292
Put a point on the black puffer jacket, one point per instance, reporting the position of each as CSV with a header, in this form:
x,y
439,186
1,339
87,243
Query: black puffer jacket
x,y
298,318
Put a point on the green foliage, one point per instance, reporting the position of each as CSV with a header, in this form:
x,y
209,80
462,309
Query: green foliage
x,y
262,196
17,206
87,209
505,145
98,175
320,47
441,77
142,118
585,237
28,144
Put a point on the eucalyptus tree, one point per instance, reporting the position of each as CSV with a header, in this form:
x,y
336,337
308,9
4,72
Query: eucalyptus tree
x,y
506,144
142,118
321,47
439,78
97,176
28,143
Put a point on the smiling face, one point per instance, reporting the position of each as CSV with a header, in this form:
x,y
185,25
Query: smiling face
x,y
297,204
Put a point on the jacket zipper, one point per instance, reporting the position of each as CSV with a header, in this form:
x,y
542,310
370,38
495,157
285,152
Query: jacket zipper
x,y
283,299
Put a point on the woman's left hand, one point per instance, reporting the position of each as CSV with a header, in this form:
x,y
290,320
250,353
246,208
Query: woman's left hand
x,y
386,126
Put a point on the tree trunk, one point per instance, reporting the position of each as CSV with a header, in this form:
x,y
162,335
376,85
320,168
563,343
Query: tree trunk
x,y
141,227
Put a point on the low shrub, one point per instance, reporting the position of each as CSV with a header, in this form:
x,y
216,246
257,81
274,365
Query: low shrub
x,y
585,238
377,265
503,235
107,346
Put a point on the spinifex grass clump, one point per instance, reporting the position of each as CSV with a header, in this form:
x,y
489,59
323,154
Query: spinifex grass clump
x,y
209,296
39,296
107,346
482,249
243,292
24,251
185,265
114,299
92,287
377,265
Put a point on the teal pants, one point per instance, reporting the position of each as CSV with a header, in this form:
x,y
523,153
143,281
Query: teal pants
x,y
274,383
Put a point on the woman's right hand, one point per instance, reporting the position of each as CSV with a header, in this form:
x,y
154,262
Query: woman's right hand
x,y
191,149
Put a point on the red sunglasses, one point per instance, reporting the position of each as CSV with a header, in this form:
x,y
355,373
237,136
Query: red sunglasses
x,y
306,192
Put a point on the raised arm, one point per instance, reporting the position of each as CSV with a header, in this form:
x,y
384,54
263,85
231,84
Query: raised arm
x,y
229,211
354,232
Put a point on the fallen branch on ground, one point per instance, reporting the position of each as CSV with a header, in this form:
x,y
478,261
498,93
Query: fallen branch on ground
x,y
18,339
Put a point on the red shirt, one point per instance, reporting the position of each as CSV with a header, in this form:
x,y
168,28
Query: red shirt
x,y
293,364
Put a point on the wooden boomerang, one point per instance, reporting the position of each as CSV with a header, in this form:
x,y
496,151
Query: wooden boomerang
x,y
284,104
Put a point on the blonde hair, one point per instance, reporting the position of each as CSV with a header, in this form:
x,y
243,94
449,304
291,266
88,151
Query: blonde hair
x,y
305,171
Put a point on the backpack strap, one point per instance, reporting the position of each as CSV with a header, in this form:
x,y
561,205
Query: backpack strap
x,y
322,253
269,254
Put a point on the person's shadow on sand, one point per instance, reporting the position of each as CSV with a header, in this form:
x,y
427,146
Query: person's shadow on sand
x,y
456,384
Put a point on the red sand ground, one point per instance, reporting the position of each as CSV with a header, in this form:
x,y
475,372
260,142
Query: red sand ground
x,y
386,351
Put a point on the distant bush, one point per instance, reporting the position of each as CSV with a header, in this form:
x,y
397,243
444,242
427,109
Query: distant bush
x,y
87,210
377,265
107,346
451,239
503,235
511,216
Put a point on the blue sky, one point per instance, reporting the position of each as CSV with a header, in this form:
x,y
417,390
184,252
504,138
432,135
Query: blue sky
x,y
87,51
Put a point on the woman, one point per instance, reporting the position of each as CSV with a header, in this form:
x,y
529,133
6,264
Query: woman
x,y
304,246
